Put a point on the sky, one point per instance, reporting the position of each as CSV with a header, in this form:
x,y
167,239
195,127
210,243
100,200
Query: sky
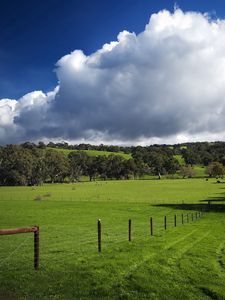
x,y
116,72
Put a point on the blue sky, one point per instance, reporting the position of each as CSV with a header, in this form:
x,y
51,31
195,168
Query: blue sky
x,y
115,72
35,34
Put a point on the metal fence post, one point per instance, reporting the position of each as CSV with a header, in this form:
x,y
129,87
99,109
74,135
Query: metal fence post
x,y
99,236
36,248
129,230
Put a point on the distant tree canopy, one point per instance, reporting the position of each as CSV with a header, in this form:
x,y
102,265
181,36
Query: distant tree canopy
x,y
32,164
28,165
158,159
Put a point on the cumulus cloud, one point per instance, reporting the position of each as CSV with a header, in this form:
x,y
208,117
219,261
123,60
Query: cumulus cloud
x,y
165,84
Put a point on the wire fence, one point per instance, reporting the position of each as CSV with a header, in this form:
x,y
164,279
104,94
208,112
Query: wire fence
x,y
58,247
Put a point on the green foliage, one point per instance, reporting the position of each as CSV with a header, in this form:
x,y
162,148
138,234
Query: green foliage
x,y
180,159
56,166
16,164
31,164
159,159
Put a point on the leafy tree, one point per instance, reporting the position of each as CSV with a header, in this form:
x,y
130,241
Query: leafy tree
x,y
92,169
187,171
39,171
16,165
78,164
215,169
56,165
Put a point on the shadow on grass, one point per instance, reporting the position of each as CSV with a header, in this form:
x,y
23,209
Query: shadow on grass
x,y
214,204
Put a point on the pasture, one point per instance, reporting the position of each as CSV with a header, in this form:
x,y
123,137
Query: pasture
x,y
92,152
183,262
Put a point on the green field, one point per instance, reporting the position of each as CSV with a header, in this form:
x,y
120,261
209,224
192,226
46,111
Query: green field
x,y
183,262
199,171
92,152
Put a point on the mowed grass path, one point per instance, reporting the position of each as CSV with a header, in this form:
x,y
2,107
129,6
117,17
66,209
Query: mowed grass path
x,y
186,262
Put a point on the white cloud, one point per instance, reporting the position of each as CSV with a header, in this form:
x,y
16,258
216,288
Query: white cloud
x,y
165,84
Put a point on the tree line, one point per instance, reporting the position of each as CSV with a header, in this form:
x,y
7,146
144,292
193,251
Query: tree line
x,y
29,164
33,164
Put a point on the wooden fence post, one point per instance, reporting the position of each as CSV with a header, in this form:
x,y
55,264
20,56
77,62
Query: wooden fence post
x,y
187,218
34,230
36,248
129,230
182,218
151,226
175,220
165,222
196,215
192,217
99,236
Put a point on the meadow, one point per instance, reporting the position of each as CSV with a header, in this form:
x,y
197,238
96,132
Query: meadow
x,y
183,262
92,152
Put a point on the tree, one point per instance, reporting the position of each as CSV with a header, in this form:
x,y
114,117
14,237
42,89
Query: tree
x,y
56,165
187,171
115,166
215,169
129,168
92,169
16,165
39,171
77,164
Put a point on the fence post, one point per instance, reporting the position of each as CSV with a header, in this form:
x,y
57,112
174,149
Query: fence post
x,y
182,218
209,204
165,222
192,217
175,220
36,248
196,215
129,230
187,218
99,236
151,226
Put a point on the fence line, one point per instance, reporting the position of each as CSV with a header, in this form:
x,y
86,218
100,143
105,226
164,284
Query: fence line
x,y
134,233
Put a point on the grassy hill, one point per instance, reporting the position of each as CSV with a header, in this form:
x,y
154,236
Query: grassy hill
x,y
92,152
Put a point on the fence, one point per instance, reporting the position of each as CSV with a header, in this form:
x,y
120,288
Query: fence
x,y
175,220
35,230
197,215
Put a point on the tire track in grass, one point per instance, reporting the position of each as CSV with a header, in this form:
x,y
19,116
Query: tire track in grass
x,y
164,255
220,251
216,263
185,249
148,257
179,240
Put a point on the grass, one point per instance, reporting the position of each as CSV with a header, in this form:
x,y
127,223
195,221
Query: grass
x,y
199,171
92,152
186,262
